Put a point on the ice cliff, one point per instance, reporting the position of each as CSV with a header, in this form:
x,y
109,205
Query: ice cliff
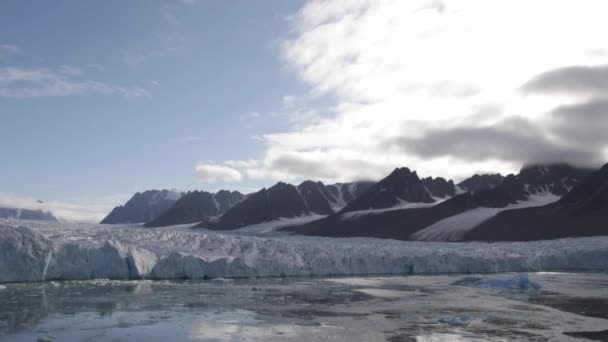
x,y
42,252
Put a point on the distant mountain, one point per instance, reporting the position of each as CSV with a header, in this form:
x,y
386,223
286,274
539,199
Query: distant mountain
x,y
27,214
532,182
197,206
143,207
287,201
581,212
480,182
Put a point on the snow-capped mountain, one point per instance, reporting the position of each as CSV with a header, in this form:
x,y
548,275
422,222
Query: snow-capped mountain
x,y
143,207
287,201
197,206
533,186
399,187
27,214
581,212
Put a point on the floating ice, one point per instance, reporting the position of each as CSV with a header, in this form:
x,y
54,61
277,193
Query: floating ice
x,y
518,282
462,320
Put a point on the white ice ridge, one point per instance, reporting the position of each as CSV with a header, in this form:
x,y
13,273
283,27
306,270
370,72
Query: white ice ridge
x,y
59,251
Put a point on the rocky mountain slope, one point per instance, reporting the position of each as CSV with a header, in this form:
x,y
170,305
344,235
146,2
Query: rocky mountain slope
x,y
531,182
197,206
143,207
287,201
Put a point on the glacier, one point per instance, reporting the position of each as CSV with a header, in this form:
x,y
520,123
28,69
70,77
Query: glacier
x,y
45,251
454,228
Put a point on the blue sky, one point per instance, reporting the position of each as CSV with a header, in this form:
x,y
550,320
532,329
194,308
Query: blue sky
x,y
204,68
101,99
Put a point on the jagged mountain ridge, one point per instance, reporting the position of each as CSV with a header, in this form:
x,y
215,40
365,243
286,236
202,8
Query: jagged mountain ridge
x,y
402,223
143,207
479,182
287,201
197,206
401,185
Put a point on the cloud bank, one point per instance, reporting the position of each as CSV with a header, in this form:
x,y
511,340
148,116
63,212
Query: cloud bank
x,y
91,211
210,173
446,87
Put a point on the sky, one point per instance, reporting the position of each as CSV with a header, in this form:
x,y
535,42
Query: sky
x,y
101,99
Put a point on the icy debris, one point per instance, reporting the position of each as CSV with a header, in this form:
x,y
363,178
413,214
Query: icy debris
x,y
2,287
518,282
60,251
459,321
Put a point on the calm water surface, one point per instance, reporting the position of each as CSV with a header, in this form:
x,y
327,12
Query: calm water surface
x,y
569,307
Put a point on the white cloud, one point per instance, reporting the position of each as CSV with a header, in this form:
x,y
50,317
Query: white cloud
x,y
82,210
7,49
289,101
251,115
191,139
165,44
408,68
20,82
211,173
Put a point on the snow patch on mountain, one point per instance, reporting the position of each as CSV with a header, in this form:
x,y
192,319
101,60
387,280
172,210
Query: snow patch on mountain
x,y
454,228
271,228
354,215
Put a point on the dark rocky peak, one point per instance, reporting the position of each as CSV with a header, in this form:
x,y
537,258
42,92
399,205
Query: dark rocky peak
x,y
480,182
402,185
439,187
143,207
317,197
196,206
557,178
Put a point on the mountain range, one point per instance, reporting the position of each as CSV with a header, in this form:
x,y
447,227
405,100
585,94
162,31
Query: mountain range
x,y
143,207
197,206
288,201
539,202
27,214
534,185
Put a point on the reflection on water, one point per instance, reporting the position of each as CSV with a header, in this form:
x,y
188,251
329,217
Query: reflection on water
x,y
341,309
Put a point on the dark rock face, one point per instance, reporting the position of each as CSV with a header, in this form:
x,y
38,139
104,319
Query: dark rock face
x,y
227,199
480,182
557,178
400,224
197,206
142,207
27,214
344,193
581,212
401,185
287,201
439,187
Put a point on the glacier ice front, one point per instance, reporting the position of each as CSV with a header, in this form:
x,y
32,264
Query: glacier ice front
x,y
60,251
